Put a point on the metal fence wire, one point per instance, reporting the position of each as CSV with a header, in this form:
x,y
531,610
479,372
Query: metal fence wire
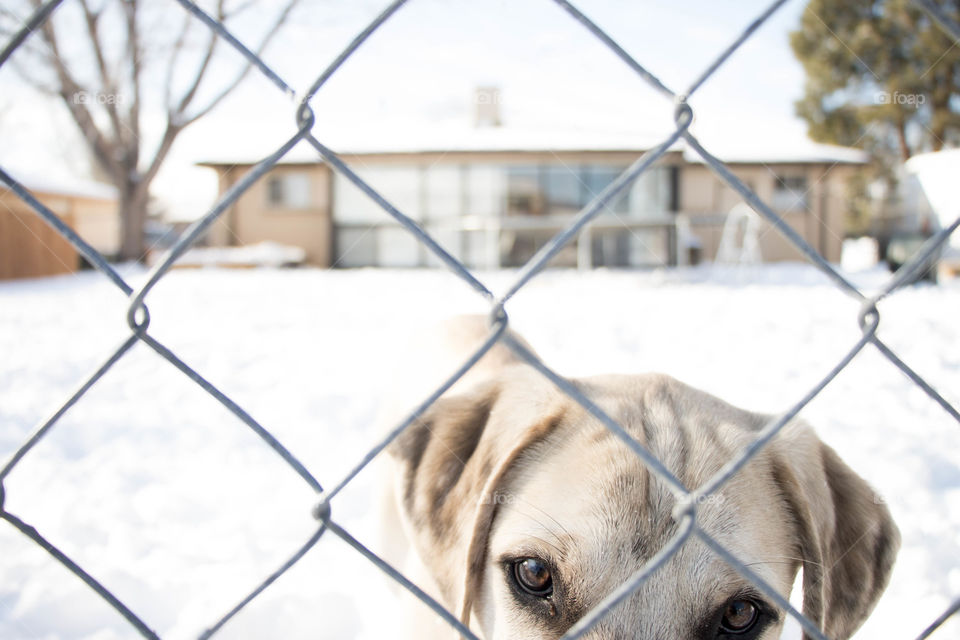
x,y
138,319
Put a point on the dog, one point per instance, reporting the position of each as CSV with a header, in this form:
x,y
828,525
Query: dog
x,y
519,511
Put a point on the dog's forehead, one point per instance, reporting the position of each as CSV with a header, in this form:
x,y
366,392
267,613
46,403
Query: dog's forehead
x,y
601,527
590,504
592,499
583,475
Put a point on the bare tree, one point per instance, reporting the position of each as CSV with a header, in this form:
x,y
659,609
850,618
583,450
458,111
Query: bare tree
x,y
100,63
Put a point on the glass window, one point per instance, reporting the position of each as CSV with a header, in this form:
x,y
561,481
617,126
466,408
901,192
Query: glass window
x,y
390,246
350,205
650,194
451,239
289,190
481,249
789,193
611,248
485,190
399,185
648,248
629,247
443,191
564,190
396,247
596,178
356,247
524,195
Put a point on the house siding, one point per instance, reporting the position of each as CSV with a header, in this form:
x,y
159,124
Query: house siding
x,y
810,197
30,248
254,218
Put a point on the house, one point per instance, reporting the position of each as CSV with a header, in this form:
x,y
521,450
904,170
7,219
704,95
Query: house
x,y
29,247
492,196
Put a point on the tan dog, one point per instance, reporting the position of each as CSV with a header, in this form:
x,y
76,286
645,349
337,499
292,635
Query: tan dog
x,y
523,511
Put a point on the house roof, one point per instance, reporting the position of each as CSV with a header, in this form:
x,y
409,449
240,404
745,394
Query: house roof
x,y
62,185
456,140
507,139
800,152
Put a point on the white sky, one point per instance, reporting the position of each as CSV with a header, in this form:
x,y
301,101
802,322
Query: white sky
x,y
419,72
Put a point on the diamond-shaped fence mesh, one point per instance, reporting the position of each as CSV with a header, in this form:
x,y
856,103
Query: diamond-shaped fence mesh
x,y
138,319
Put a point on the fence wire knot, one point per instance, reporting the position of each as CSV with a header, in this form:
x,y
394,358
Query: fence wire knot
x,y
869,318
322,511
686,508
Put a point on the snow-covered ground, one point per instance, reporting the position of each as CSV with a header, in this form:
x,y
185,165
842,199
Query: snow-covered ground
x,y
178,507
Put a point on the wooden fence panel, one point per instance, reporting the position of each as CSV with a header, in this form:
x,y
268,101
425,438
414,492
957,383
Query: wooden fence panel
x,y
29,248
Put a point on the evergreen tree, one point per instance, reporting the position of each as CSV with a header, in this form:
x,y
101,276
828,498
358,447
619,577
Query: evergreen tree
x,y
881,76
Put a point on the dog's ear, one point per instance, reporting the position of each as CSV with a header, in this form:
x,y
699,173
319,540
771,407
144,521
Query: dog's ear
x,y
846,537
453,462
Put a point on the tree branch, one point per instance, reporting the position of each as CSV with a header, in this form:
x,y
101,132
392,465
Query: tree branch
x,y
109,86
274,29
201,71
135,55
70,91
174,57
166,143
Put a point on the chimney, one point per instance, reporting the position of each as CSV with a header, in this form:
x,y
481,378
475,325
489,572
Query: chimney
x,y
487,107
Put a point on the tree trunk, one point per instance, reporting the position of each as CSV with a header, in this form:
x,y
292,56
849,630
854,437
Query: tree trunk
x,y
938,135
133,221
901,127
938,124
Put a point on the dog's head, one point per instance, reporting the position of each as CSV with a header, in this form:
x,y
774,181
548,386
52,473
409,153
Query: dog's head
x,y
528,512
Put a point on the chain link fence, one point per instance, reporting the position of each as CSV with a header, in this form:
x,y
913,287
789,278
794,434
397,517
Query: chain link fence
x,y
138,319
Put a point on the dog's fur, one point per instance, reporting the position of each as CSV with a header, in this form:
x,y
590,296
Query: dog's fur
x,y
506,466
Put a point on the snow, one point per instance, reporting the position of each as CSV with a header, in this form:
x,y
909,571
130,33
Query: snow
x,y
62,184
260,254
937,173
751,147
179,508
459,136
859,254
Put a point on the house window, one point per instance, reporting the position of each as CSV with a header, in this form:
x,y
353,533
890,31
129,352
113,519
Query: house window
x,y
563,190
484,190
596,178
483,212
650,194
366,234
525,196
399,185
289,191
443,192
790,193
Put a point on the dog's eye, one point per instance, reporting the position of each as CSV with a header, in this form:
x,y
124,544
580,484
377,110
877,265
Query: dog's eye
x,y
533,576
739,617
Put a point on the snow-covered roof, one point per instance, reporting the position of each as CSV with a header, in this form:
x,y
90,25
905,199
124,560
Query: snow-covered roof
x,y
63,185
513,139
761,152
491,139
460,139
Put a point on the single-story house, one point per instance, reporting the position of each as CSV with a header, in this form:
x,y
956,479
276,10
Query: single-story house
x,y
29,247
492,196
